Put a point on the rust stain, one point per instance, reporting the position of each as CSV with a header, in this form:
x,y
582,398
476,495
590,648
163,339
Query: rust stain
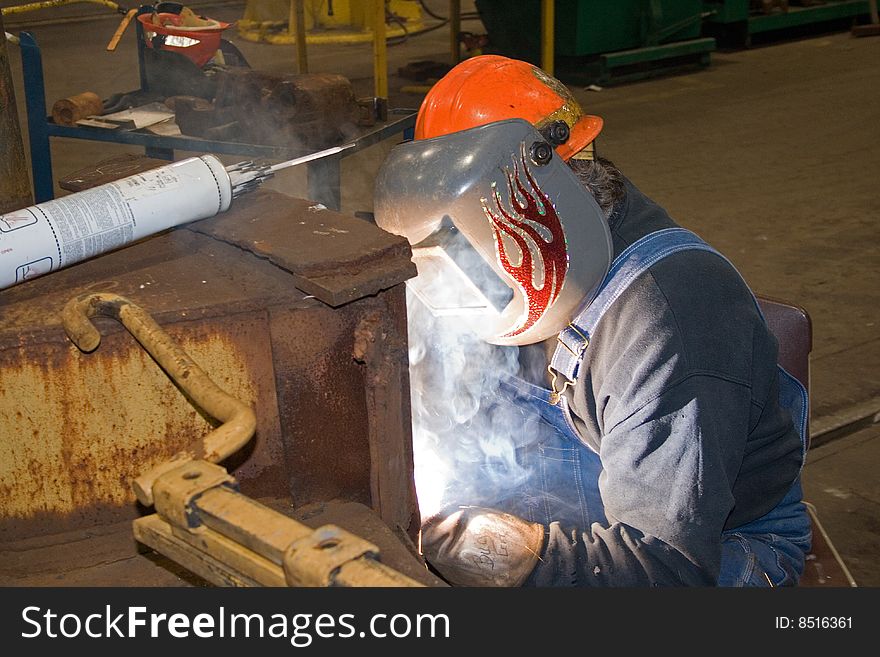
x,y
75,429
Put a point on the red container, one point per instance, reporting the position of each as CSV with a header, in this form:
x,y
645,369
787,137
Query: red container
x,y
199,44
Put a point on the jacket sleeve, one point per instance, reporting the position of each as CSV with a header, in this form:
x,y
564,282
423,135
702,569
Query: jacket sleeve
x,y
669,469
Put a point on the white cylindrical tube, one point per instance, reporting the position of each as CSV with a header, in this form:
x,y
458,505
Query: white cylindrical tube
x,y
46,237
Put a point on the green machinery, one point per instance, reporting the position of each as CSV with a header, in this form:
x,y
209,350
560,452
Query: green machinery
x,y
619,40
601,40
738,20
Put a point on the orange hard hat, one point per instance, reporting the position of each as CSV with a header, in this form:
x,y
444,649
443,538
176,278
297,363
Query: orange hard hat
x,y
490,88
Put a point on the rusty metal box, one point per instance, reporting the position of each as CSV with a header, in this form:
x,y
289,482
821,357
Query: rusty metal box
x,y
293,308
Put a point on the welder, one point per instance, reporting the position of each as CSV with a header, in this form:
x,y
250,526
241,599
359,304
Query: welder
x,y
669,445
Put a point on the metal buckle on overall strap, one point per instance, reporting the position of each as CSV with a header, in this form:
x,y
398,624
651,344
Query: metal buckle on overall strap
x,y
556,393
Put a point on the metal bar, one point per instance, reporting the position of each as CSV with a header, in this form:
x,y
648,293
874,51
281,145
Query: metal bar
x,y
195,144
149,140
213,557
380,50
327,152
139,32
659,32
38,133
123,25
807,15
654,53
297,26
270,534
455,30
388,130
222,559
548,8
249,523
239,421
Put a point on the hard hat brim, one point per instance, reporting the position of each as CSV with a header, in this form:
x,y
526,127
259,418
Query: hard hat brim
x,y
583,133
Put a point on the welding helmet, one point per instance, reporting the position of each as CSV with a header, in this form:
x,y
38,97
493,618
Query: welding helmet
x,y
491,88
500,227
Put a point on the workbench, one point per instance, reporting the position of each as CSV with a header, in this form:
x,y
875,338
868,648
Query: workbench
x,y
323,174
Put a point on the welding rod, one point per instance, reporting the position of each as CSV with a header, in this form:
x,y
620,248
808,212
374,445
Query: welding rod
x,y
247,176
311,156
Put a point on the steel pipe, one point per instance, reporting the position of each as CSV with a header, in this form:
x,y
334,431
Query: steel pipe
x,y
239,420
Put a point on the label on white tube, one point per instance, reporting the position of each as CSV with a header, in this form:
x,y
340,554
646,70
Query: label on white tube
x,y
46,237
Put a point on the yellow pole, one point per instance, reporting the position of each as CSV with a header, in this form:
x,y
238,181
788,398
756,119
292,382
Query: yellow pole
x,y
454,29
380,50
547,46
48,4
296,23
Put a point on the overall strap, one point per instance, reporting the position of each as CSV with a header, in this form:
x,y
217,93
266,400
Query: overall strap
x,y
626,268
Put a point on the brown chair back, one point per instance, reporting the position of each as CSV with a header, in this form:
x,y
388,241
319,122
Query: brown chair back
x,y
794,331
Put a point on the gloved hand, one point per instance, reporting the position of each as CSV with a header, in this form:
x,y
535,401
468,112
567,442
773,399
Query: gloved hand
x,y
475,546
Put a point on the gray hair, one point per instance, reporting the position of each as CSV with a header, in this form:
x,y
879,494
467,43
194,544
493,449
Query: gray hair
x,y
603,180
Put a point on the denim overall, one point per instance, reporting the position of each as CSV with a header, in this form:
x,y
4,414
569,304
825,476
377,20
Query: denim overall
x,y
564,471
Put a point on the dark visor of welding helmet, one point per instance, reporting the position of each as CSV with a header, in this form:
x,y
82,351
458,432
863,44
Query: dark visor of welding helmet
x,y
499,226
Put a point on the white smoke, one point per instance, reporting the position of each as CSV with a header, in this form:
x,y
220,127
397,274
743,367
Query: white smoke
x,y
464,434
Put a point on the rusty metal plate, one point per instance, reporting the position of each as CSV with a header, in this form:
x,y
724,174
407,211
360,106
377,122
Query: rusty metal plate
x,y
333,256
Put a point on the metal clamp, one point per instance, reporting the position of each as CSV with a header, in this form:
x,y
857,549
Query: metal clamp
x,y
175,491
314,560
579,352
556,394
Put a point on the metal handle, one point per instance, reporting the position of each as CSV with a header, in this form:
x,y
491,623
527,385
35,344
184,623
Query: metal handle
x,y
239,420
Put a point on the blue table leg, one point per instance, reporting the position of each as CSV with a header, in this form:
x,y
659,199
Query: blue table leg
x,y
38,132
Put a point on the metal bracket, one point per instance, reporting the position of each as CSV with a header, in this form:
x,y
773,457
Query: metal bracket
x,y
232,540
175,491
316,559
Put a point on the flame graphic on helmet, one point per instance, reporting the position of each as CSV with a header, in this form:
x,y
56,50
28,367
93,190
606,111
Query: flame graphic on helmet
x,y
532,223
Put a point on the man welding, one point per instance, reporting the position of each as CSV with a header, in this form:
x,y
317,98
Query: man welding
x,y
669,444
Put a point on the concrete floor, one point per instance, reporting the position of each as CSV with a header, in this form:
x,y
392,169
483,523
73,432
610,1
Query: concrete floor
x,y
770,154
